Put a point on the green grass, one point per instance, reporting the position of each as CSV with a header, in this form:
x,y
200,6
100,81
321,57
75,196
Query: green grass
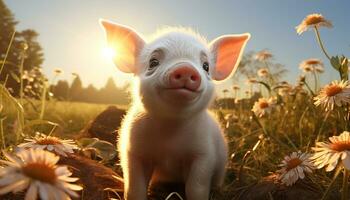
x,y
71,117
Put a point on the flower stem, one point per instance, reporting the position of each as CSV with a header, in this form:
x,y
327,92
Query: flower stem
x,y
320,43
267,134
326,193
2,133
315,79
322,125
308,87
21,78
43,101
344,195
7,51
300,126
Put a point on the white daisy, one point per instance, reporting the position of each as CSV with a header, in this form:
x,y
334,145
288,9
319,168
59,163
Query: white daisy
x,y
36,171
263,106
285,91
328,154
294,167
310,65
50,143
263,55
251,81
236,87
263,72
319,69
335,93
313,20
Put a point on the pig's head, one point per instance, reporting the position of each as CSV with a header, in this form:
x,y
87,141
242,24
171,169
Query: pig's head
x,y
176,69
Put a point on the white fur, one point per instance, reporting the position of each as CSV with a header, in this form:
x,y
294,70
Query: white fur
x,y
164,139
162,142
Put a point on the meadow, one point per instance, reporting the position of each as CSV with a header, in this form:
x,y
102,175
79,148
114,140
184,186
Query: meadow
x,y
285,140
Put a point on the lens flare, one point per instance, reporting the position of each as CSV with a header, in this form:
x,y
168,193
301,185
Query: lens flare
x,y
109,52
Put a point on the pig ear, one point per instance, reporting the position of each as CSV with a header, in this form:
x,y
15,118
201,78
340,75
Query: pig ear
x,y
227,51
126,42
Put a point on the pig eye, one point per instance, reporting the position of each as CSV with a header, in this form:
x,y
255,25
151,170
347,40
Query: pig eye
x,y
153,63
206,66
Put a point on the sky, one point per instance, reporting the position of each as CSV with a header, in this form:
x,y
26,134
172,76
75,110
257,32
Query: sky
x,y
73,40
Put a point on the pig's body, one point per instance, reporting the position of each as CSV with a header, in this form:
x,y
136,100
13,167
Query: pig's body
x,y
169,149
168,135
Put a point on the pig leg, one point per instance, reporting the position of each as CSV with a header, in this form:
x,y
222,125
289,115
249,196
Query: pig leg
x,y
137,176
199,180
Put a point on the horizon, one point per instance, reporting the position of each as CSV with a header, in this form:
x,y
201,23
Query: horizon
x,y
76,47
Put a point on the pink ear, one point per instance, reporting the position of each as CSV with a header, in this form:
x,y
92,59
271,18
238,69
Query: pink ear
x,y
126,42
227,51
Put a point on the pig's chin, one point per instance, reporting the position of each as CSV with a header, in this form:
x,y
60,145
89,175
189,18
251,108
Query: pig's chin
x,y
179,95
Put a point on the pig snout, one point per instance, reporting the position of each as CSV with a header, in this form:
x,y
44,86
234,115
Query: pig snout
x,y
185,77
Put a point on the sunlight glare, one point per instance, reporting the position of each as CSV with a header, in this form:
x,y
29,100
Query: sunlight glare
x,y
109,52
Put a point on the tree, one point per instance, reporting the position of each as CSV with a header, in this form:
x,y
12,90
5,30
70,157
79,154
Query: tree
x,y
24,46
60,90
7,27
91,94
76,90
113,94
34,54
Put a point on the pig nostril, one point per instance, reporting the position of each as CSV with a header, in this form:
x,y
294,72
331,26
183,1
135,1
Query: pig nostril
x,y
193,78
177,76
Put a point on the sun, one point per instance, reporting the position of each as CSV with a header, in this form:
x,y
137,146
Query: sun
x,y
109,52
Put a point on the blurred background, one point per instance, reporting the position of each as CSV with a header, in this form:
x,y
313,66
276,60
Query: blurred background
x,y
64,39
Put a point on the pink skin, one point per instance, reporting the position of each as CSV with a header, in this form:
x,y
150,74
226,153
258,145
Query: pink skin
x,y
183,82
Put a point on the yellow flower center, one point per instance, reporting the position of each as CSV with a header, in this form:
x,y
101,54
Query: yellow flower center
x,y
314,20
48,140
340,146
263,105
40,171
293,163
312,62
332,90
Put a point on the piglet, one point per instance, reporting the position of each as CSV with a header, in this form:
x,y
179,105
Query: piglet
x,y
168,134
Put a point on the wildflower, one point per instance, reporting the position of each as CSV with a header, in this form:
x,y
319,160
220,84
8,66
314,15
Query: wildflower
x,y
75,74
313,20
263,55
36,171
251,81
311,64
24,46
263,106
236,87
328,154
225,91
335,93
286,90
263,72
58,71
50,143
319,69
294,167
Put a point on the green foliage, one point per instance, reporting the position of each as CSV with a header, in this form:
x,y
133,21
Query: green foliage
x,y
341,63
249,66
25,51
104,150
110,93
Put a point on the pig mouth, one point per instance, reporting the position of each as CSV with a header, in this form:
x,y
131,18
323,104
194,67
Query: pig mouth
x,y
181,94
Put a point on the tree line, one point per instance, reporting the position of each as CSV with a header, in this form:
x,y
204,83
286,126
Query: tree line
x,y
21,59
110,93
